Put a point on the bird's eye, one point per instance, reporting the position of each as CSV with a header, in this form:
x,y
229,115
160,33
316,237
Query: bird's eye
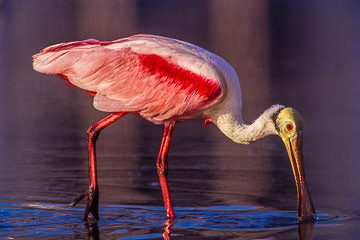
x,y
289,127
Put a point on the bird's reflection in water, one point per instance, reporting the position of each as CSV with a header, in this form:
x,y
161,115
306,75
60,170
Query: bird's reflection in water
x,y
168,229
305,231
93,230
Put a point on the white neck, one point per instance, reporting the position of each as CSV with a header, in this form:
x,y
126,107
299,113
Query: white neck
x,y
235,129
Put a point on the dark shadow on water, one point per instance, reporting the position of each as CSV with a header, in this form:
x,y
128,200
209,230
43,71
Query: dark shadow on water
x,y
47,221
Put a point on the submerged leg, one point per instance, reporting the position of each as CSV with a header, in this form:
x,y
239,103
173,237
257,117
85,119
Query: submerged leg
x,y
93,193
162,169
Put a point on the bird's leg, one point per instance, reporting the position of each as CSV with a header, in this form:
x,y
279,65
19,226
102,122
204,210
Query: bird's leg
x,y
162,169
93,193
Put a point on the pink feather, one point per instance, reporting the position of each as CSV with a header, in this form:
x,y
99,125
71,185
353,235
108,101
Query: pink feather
x,y
127,81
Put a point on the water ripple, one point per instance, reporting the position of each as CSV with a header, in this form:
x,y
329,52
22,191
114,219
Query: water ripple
x,y
54,220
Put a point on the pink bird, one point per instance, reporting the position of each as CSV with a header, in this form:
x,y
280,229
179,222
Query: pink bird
x,y
167,81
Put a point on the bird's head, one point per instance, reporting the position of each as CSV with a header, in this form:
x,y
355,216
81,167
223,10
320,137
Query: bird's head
x,y
289,126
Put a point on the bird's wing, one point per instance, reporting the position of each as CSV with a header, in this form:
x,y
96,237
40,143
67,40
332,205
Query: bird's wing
x,y
135,76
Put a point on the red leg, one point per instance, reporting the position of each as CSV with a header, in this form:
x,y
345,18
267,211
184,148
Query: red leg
x,y
93,193
162,169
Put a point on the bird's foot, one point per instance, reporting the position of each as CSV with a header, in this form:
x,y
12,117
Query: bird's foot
x,y
93,202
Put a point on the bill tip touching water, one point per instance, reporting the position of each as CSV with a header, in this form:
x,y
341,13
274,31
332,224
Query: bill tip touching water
x,y
167,81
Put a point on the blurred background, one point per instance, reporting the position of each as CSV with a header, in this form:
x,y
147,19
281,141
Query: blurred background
x,y
303,54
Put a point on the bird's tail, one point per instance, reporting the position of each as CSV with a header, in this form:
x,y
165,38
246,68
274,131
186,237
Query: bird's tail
x,y
57,59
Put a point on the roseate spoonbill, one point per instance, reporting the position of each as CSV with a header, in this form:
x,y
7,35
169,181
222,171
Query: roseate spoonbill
x,y
166,81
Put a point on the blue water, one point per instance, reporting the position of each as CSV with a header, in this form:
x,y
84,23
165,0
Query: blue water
x,y
47,221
